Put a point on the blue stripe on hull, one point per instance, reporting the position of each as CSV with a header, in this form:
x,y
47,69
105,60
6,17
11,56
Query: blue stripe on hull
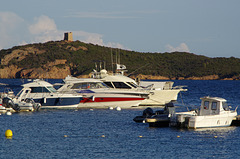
x,y
58,101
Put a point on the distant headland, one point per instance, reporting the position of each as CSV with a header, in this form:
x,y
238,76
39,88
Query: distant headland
x,y
57,59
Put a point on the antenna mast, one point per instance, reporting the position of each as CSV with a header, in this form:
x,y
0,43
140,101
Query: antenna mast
x,y
112,59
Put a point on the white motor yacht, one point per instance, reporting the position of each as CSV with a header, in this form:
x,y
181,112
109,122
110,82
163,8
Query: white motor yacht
x,y
44,93
97,95
160,93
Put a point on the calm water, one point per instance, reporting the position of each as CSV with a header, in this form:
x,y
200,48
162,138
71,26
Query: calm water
x,y
113,134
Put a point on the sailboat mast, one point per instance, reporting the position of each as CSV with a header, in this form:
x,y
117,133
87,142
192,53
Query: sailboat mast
x,y
119,58
112,59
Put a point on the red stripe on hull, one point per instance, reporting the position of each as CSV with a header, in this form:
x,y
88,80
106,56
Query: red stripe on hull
x,y
109,99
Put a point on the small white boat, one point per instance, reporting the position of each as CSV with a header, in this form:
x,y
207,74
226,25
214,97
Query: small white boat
x,y
7,105
213,112
28,105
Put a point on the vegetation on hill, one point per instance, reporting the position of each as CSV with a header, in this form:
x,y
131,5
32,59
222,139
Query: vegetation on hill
x,y
81,59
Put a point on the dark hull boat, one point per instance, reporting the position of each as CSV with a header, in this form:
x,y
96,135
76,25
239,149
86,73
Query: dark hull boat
x,y
44,93
160,118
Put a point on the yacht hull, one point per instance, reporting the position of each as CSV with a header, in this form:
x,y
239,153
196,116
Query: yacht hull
x,y
105,102
59,102
160,97
211,121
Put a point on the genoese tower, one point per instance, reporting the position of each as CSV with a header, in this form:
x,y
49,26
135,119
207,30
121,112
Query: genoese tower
x,y
68,36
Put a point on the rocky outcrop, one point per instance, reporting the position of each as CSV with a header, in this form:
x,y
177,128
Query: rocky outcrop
x,y
9,72
150,77
50,70
20,54
84,76
210,77
53,72
233,78
56,62
72,48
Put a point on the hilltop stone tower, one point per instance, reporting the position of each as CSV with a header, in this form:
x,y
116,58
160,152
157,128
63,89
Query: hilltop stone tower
x,y
68,36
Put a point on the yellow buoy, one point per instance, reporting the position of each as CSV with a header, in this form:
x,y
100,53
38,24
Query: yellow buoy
x,y
8,133
65,136
140,136
103,135
178,136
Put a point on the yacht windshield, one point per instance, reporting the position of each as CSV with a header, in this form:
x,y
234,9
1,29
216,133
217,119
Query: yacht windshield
x,y
52,89
132,84
88,85
109,84
225,106
121,85
39,90
104,85
19,93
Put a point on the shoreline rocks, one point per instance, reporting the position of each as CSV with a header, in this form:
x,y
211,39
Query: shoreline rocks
x,y
53,71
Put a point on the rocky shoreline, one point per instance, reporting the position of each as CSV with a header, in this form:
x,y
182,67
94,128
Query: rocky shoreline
x,y
210,77
52,71
56,60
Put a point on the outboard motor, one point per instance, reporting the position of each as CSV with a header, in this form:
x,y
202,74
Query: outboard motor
x,y
36,106
147,112
169,108
8,103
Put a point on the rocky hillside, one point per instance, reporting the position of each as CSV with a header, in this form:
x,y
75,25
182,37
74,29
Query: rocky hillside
x,y
57,59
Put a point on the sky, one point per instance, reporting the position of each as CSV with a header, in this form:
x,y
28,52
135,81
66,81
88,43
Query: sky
x,y
203,27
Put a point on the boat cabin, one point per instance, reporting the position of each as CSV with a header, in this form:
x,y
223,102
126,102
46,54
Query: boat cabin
x,y
212,106
117,80
81,83
120,84
36,87
87,85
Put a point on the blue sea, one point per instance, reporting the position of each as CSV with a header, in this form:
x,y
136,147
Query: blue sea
x,y
101,133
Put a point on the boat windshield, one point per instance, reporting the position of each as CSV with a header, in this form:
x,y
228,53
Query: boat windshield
x,y
225,106
39,90
121,85
19,93
109,84
132,84
52,89
89,85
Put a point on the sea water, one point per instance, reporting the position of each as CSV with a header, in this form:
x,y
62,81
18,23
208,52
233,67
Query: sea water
x,y
104,133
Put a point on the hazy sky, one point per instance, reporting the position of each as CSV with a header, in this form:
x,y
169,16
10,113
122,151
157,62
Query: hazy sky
x,y
203,27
